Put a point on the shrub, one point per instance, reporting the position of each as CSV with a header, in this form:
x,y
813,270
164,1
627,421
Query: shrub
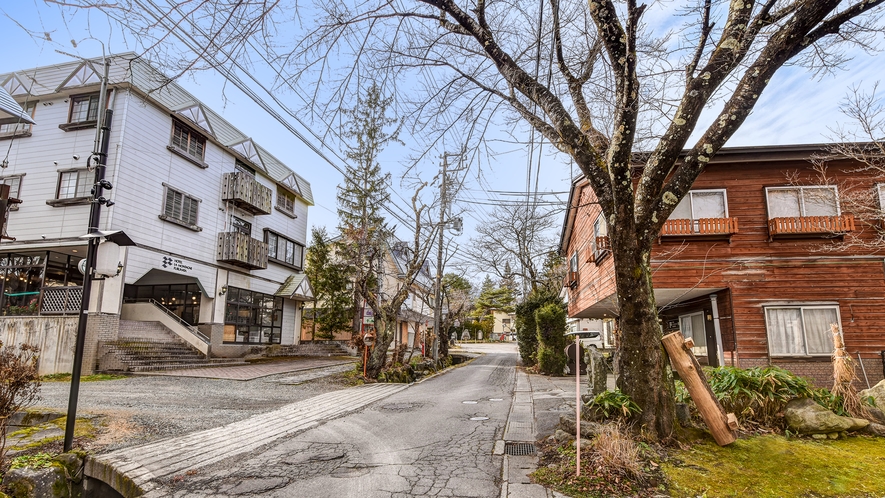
x,y
19,384
757,394
526,328
551,323
612,404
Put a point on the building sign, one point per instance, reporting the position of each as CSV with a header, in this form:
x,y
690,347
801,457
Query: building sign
x,y
176,265
368,320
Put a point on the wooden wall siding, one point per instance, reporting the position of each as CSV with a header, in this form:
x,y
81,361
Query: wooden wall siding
x,y
756,270
596,279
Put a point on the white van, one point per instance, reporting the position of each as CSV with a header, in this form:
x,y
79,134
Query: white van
x,y
589,338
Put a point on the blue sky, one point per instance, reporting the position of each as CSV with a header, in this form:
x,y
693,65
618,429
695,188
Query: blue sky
x,y
796,108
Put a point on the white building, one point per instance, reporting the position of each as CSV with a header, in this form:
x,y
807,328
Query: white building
x,y
219,223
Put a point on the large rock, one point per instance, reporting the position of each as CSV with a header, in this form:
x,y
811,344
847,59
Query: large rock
x,y
588,428
807,417
876,392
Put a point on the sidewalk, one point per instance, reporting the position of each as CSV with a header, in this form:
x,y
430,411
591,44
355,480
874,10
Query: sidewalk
x,y
542,398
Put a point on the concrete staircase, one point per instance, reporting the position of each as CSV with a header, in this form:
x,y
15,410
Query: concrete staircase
x,y
313,348
150,347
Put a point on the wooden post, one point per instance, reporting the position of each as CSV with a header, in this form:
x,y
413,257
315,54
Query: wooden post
x,y
689,370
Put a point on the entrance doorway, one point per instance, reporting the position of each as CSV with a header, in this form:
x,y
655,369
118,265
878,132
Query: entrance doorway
x,y
183,300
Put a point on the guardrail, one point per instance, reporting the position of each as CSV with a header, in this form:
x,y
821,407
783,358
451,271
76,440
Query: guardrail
x,y
183,323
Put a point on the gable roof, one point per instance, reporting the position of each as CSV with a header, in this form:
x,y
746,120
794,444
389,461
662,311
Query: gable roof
x,y
128,69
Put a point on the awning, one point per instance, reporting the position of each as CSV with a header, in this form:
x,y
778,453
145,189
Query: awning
x,y
296,287
160,277
10,111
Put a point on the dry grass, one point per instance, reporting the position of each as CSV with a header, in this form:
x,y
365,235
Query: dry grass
x,y
844,376
617,452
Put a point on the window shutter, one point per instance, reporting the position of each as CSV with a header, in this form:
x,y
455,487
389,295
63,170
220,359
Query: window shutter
x,y
191,210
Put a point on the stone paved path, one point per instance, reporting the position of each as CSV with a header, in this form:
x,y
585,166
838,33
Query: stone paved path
x,y
255,370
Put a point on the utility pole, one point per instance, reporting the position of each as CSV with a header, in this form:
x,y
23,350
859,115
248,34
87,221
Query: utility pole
x,y
443,206
99,156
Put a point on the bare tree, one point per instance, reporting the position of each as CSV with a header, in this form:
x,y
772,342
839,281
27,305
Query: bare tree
x,y
514,242
861,141
594,79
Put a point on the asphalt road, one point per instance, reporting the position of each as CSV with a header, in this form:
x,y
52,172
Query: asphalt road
x,y
435,438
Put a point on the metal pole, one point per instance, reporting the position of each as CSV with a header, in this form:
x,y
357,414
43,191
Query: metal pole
x,y
437,312
102,140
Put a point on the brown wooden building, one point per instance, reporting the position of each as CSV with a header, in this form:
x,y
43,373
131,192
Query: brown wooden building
x,y
757,261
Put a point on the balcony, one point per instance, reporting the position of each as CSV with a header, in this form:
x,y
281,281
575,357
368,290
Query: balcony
x,y
701,227
247,193
241,250
571,280
811,225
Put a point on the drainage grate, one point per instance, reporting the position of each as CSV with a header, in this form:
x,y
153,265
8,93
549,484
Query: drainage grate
x,y
519,449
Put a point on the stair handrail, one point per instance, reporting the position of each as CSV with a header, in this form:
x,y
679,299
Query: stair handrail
x,y
180,320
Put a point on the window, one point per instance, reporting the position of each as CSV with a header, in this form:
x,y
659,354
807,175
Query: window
x,y
693,327
241,225
243,167
801,330
573,262
187,141
285,200
19,129
793,202
283,250
699,204
600,242
84,108
74,184
180,208
252,317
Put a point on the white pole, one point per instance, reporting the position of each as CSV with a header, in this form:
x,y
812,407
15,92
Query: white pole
x,y
578,399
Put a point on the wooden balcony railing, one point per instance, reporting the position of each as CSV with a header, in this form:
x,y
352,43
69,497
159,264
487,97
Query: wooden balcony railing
x,y
571,279
701,226
811,225
239,249
247,193
603,243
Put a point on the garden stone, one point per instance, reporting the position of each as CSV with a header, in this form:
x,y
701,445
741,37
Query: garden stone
x,y
560,435
876,415
876,392
818,436
805,416
597,372
875,429
588,429
833,435
683,414
586,445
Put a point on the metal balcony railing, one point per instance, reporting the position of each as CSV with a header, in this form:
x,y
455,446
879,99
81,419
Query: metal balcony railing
x,y
247,193
239,249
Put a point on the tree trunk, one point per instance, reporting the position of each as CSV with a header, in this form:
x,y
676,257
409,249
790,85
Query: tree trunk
x,y
643,370
384,330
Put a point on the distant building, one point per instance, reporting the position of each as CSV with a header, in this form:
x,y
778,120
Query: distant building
x,y
219,223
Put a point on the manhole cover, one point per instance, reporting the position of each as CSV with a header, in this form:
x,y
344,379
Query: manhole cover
x,y
469,402
479,418
519,449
